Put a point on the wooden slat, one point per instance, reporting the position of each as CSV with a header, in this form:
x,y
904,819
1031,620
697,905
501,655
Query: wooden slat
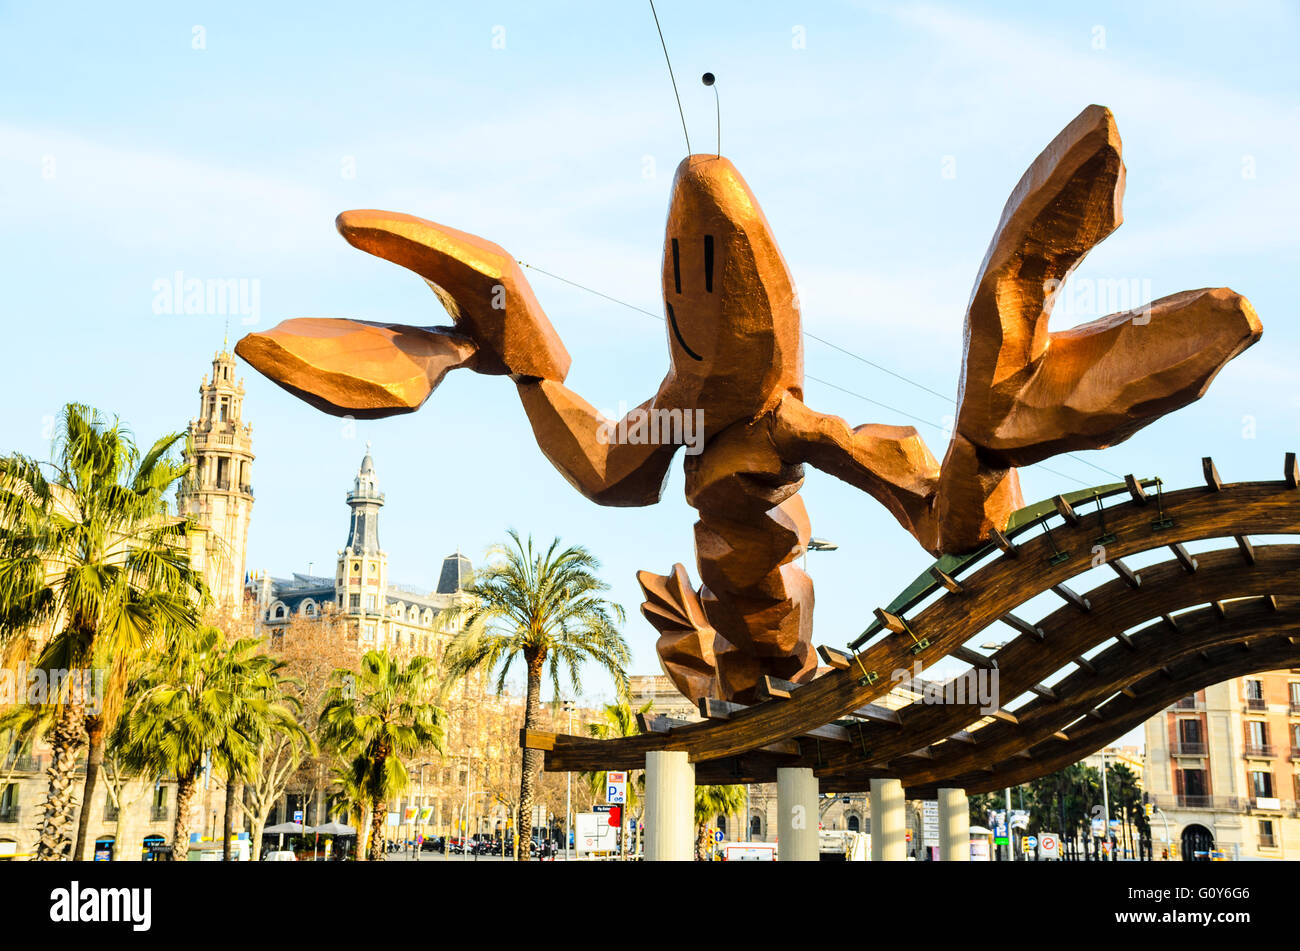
x,y
1126,641
834,657
947,580
1220,608
1185,559
1291,471
1247,549
1023,626
769,688
1009,548
879,714
890,621
1135,489
1169,619
974,658
1065,510
536,740
1211,474
712,709
1084,664
1131,578
1072,597
1006,716
1044,691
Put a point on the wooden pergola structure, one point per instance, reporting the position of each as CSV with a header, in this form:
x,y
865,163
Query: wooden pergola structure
x,y
1114,655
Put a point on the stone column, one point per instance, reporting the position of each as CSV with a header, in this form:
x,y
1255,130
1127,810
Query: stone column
x,y
954,826
669,806
796,815
888,821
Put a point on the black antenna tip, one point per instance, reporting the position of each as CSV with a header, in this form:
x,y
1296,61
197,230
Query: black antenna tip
x,y
708,79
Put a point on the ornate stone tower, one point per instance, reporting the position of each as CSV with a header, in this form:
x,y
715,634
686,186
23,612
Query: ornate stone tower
x,y
362,578
218,492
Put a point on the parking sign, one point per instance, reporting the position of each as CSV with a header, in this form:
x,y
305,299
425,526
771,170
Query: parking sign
x,y
615,788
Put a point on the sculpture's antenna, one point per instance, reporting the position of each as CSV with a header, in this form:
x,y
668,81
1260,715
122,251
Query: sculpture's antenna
x,y
670,76
710,80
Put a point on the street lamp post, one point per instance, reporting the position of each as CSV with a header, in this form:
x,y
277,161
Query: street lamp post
x,y
1105,798
568,796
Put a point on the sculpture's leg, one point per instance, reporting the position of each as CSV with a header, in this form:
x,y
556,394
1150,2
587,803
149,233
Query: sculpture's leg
x,y
756,596
698,661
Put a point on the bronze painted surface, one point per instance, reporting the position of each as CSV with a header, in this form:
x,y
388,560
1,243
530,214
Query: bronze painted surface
x,y
735,359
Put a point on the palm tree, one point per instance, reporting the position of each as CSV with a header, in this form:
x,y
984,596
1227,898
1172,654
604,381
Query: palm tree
x,y
377,716
350,799
619,720
201,700
267,711
547,610
711,801
90,552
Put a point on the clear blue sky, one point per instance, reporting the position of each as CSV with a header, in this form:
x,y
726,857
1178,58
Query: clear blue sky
x,y
882,148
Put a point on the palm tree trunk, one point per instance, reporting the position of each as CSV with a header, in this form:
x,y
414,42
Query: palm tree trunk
x,y
234,793
186,787
65,744
532,758
363,827
379,812
94,760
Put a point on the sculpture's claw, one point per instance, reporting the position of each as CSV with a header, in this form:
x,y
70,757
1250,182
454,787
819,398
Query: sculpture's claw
x,y
482,287
354,367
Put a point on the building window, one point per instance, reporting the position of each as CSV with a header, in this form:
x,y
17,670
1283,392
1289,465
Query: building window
x,y
1255,695
9,803
1261,784
159,811
370,602
370,632
354,602
1295,741
1295,697
1257,739
110,809
1191,742
279,612
1190,786
1266,840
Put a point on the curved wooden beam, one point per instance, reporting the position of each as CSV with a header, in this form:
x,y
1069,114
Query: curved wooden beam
x,y
989,593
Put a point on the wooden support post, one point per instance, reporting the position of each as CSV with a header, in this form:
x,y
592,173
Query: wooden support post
x,y
1211,474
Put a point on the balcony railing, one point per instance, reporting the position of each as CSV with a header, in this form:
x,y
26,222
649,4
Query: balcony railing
x,y
24,764
1187,801
1268,842
1259,749
1295,752
1189,748
1256,703
1188,703
1295,708
9,813
158,814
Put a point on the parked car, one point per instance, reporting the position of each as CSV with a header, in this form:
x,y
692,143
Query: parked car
x,y
433,843
285,856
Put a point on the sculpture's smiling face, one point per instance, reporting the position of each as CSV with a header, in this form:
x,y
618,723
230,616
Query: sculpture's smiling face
x,y
728,298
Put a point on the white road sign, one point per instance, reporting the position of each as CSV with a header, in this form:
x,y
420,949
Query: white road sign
x,y
1049,846
616,788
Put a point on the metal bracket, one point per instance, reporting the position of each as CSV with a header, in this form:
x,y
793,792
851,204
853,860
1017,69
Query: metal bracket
x,y
1106,537
1057,557
1162,521
867,679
